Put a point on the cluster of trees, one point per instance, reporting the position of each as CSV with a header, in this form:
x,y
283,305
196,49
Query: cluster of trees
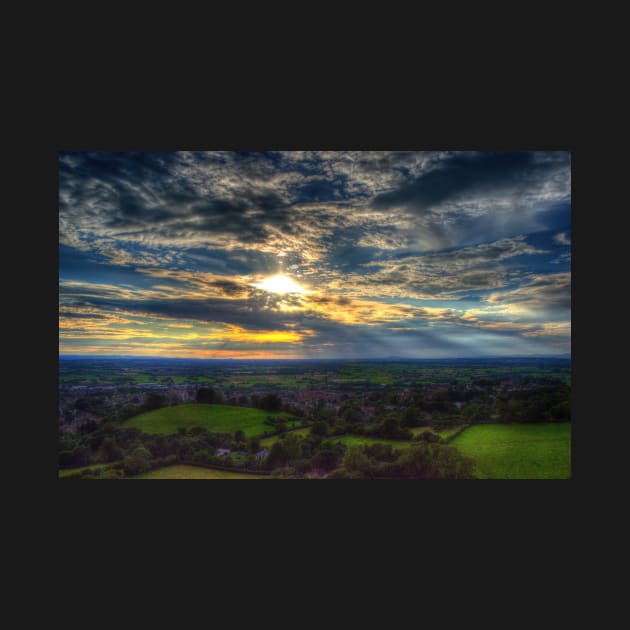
x,y
545,403
293,456
128,452
124,412
420,461
392,425
485,401
209,395
268,402
279,423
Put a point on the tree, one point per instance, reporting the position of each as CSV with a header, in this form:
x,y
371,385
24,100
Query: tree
x,y
253,445
79,456
430,436
381,452
561,411
293,446
128,410
320,428
154,401
351,415
390,428
339,427
87,427
270,402
412,417
278,456
343,473
201,455
138,461
110,450
433,461
239,435
355,460
328,455
206,395
83,404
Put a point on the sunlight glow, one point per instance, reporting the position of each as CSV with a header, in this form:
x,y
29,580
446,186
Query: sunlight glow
x,y
280,284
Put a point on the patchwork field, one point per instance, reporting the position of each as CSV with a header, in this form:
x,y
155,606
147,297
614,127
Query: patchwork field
x,y
518,451
215,418
194,472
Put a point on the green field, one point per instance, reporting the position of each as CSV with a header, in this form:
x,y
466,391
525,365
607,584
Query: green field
x,y
195,472
214,418
518,451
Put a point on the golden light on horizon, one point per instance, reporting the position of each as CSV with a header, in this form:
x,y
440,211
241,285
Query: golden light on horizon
x,y
280,284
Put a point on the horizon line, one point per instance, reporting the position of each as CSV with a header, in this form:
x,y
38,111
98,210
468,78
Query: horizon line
x,y
389,358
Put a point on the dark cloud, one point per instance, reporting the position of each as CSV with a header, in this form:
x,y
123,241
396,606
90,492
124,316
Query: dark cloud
x,y
548,295
472,174
189,199
155,193
228,287
129,179
249,313
63,313
319,190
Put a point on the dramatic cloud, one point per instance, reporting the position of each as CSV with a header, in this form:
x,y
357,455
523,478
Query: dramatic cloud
x,y
314,253
550,294
440,274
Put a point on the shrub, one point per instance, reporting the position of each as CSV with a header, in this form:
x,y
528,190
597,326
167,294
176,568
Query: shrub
x,y
286,472
138,462
112,473
207,395
429,436
433,461
343,473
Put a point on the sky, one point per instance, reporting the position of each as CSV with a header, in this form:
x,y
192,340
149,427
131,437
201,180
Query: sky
x,y
315,254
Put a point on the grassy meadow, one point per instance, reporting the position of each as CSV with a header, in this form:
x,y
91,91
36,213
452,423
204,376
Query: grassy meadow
x,y
518,451
214,418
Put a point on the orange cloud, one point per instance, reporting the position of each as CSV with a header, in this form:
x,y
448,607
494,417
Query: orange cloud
x,y
235,333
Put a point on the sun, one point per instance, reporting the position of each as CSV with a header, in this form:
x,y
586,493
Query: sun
x,y
280,284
